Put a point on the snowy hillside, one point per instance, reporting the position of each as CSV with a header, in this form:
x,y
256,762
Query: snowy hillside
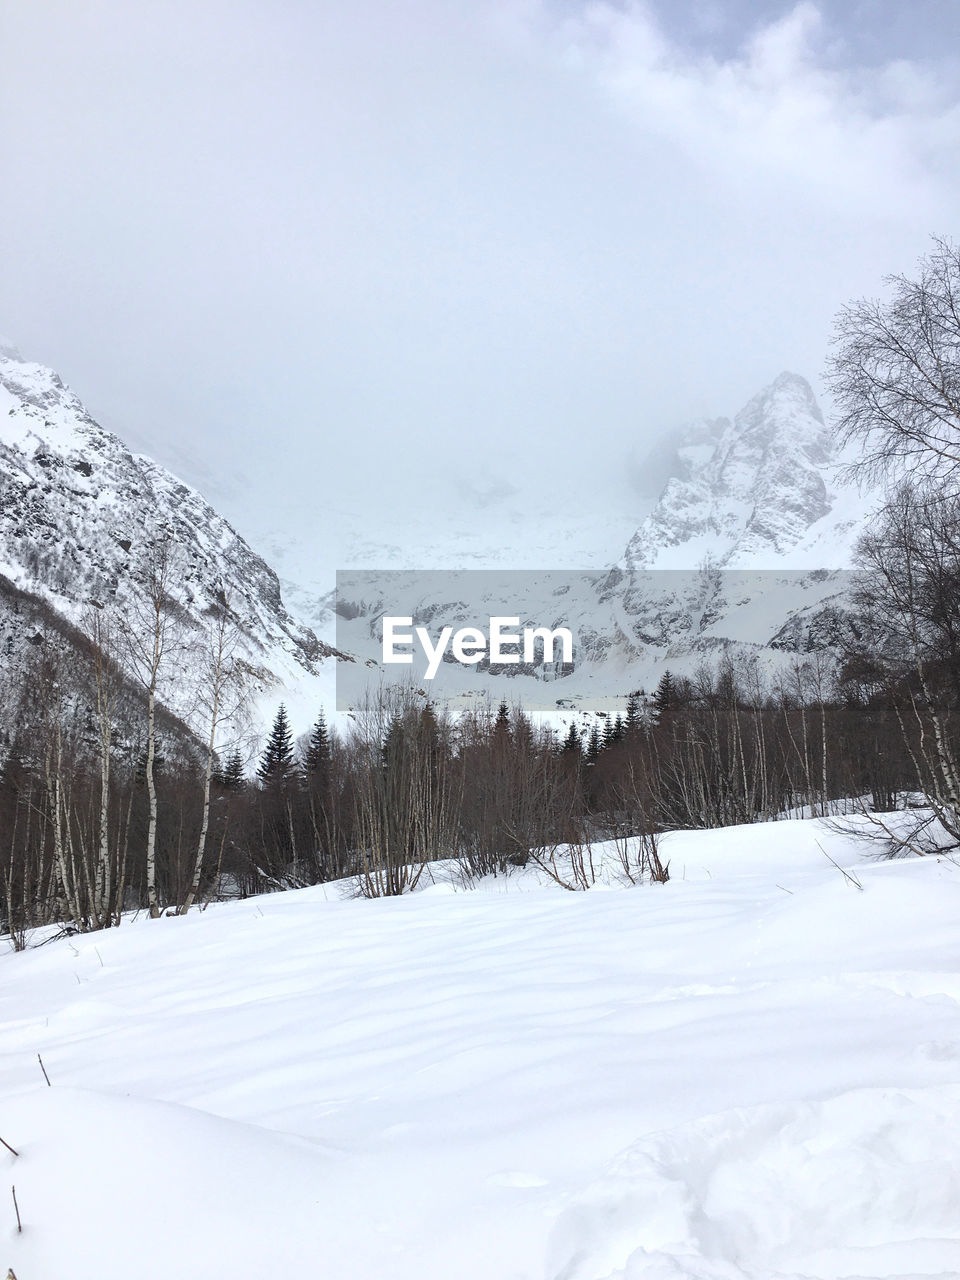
x,y
759,496
746,548
749,1073
80,516
760,492
749,548
448,527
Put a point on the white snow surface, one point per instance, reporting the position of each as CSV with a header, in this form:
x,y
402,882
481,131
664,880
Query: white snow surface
x,y
750,1072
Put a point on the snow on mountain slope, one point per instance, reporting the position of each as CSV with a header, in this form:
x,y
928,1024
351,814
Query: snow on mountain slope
x,y
443,529
751,1072
751,544
764,495
744,550
80,515
758,495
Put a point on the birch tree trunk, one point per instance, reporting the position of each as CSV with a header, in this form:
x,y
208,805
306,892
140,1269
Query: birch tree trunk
x,y
152,899
224,696
150,635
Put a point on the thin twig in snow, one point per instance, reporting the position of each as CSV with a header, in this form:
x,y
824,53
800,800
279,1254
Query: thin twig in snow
x,y
847,875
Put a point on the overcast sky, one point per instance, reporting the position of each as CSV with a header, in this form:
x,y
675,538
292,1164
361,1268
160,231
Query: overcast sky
x,y
323,243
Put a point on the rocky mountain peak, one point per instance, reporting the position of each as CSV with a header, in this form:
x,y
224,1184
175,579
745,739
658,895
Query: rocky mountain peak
x,y
749,493
80,517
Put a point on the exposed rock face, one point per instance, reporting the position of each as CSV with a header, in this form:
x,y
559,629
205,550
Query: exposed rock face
x,y
761,498
745,553
81,517
751,498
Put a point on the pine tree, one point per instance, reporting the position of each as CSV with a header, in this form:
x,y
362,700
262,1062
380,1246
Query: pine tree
x,y
429,740
392,748
665,696
571,742
318,749
522,733
277,764
233,772
218,773
158,761
634,712
429,727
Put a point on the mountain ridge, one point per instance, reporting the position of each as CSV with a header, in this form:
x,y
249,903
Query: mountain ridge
x,y
81,515
759,496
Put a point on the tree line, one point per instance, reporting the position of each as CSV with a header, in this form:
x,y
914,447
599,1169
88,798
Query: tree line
x,y
89,832
109,803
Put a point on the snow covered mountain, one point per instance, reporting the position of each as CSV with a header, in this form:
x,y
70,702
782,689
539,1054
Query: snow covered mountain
x,y
763,493
753,530
748,544
80,517
451,527
752,542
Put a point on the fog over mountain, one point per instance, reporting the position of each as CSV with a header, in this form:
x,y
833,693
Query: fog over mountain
x,y
473,803
761,493
437,286
304,254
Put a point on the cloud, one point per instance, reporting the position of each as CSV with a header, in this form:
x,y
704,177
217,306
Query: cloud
x,y
780,110
336,249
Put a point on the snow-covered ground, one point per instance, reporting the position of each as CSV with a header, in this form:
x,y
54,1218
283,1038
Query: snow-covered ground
x,y
752,1071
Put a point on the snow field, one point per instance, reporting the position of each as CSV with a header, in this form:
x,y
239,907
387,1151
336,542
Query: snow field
x,y
750,1072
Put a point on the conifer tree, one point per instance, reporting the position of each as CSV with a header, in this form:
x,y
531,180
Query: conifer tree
x,y
318,791
277,764
218,772
318,749
392,740
233,771
665,696
523,736
635,711
429,727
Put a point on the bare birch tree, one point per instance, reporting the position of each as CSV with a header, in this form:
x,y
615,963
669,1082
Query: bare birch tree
x,y
895,372
221,692
107,887
910,597
152,637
